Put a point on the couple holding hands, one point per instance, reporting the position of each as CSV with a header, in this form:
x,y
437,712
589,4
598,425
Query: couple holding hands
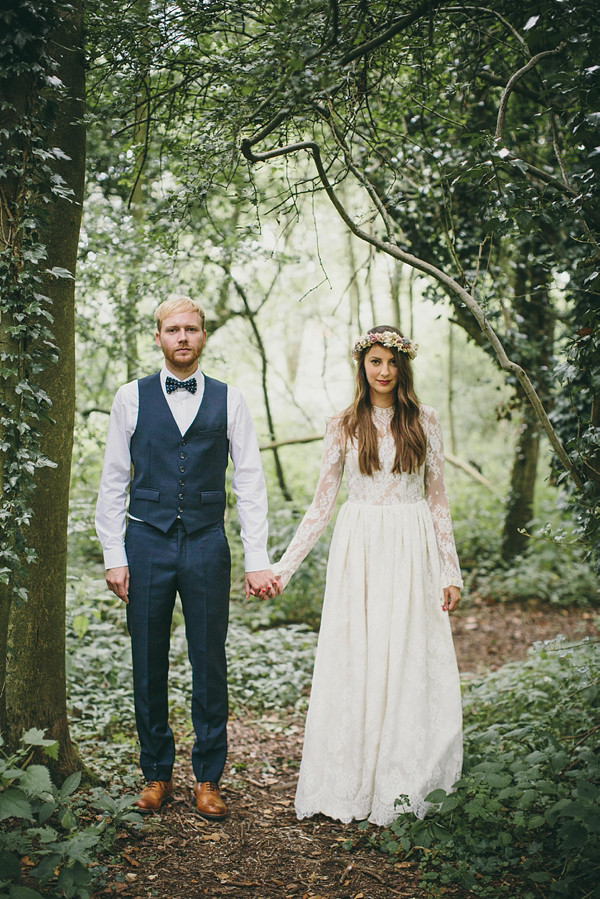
x,y
384,718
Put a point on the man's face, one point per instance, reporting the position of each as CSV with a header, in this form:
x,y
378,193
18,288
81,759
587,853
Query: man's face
x,y
182,340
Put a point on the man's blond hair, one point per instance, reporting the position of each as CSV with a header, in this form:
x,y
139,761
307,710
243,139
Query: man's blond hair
x,y
173,307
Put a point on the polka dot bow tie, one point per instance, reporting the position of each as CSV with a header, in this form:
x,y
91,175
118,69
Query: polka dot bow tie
x,y
172,384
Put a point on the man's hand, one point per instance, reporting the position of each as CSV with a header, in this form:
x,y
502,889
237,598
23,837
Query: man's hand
x,y
262,584
117,580
451,599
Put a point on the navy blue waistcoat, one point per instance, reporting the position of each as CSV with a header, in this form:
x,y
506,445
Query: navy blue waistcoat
x,y
175,475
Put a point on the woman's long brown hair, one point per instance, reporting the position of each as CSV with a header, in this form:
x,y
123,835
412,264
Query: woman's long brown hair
x,y
357,422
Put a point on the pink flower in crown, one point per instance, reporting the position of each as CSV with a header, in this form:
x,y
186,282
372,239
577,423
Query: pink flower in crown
x,y
385,338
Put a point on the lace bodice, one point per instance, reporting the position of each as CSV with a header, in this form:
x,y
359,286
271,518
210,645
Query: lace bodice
x,y
381,488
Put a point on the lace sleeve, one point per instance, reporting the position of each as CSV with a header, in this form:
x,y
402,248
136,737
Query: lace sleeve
x,y
437,498
318,515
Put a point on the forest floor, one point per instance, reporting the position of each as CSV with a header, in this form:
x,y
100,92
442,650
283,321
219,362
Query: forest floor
x,y
261,850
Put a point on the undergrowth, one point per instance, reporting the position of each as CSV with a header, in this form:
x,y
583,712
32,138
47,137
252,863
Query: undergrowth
x,y
524,819
59,832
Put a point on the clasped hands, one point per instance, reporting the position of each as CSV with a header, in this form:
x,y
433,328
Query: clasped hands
x,y
263,584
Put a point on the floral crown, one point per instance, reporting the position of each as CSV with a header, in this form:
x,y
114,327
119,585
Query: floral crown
x,y
385,338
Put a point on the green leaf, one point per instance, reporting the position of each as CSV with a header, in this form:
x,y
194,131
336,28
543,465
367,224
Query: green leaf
x,y
497,780
47,809
81,625
436,796
19,892
70,785
14,804
45,870
36,780
450,803
35,737
68,820
10,867
540,877
573,835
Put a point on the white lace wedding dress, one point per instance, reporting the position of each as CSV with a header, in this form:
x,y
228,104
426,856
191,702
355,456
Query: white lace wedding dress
x,y
384,718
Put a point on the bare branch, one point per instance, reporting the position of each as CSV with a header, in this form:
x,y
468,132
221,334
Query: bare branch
x,y
513,80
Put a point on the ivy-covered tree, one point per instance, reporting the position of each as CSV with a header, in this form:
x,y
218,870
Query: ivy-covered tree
x,y
42,147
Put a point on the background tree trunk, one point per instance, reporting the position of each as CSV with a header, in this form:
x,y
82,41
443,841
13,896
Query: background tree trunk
x,y
535,318
36,683
519,510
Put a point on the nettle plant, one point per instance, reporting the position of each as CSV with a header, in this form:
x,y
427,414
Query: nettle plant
x,y
46,824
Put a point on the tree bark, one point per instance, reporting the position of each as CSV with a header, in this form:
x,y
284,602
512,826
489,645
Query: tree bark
x,y
532,306
519,510
36,680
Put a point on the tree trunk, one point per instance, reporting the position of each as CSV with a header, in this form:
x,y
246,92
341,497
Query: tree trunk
x,y
533,306
36,681
519,510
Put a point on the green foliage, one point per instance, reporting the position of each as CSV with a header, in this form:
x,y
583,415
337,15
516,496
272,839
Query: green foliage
x,y
553,571
29,94
523,819
45,823
99,688
270,669
302,599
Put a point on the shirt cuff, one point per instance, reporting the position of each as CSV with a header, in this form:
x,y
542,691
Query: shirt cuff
x,y
115,558
257,561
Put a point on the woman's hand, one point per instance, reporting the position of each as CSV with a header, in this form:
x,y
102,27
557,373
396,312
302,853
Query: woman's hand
x,y
451,599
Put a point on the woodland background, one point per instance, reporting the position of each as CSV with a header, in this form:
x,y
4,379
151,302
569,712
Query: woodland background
x,y
306,170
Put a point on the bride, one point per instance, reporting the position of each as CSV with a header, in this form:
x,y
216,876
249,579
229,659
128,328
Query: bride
x,y
384,719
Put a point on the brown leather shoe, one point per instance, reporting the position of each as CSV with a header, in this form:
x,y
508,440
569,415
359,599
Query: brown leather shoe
x,y
154,795
208,801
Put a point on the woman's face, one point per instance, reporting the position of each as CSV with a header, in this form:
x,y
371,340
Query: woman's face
x,y
382,375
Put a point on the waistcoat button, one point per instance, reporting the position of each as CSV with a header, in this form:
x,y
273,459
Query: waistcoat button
x,y
182,455
180,496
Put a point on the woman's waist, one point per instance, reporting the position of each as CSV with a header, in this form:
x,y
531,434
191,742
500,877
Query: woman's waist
x,y
388,502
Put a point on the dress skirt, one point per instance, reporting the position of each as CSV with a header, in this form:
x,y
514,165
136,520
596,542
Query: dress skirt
x,y
385,720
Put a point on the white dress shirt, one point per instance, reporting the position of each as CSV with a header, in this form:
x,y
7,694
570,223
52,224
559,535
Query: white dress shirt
x,y
248,478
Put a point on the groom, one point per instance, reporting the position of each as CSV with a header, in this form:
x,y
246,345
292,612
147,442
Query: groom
x,y
169,438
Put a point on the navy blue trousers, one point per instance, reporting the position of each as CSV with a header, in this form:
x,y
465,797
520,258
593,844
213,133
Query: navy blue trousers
x,y
197,566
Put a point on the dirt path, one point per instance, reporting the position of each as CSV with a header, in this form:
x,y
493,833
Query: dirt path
x,y
261,851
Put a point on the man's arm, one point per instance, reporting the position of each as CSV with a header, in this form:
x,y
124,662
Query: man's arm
x,y
112,496
251,494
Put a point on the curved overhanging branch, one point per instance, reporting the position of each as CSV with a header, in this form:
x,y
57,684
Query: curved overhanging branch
x,y
513,80
438,275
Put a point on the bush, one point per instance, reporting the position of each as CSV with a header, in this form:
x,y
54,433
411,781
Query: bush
x,y
524,818
45,824
551,570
